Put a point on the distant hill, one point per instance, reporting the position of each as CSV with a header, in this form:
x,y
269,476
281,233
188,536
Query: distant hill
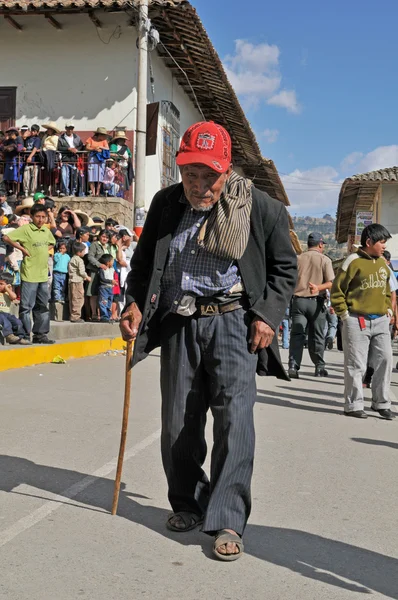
x,y
326,226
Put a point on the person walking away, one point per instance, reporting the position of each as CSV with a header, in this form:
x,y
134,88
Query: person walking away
x,y
315,276
332,323
285,329
210,280
105,290
361,297
11,328
34,241
31,168
60,273
77,277
69,144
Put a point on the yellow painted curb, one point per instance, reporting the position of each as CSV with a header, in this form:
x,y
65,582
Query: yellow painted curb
x,y
16,358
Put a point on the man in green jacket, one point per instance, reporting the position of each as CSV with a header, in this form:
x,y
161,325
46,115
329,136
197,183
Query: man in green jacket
x,y
361,297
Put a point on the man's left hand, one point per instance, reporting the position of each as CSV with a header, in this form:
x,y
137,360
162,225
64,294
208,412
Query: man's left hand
x,y
261,335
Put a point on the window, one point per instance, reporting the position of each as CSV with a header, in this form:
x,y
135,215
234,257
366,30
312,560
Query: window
x,y
170,125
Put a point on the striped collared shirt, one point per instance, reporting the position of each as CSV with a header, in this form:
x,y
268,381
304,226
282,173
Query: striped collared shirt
x,y
191,270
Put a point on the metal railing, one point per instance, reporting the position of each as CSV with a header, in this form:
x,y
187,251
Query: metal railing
x,y
64,177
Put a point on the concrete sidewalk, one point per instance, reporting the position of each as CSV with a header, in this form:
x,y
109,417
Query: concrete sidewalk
x,y
324,514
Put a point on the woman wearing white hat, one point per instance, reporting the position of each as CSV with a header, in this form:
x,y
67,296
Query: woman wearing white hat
x,y
49,147
122,154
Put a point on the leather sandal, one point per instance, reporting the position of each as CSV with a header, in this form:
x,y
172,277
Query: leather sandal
x,y
190,520
225,537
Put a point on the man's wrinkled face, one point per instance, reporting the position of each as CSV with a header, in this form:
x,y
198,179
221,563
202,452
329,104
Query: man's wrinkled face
x,y
203,186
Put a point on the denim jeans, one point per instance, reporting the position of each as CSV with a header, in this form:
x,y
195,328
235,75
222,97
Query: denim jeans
x,y
34,297
59,286
332,322
105,302
10,324
69,179
285,333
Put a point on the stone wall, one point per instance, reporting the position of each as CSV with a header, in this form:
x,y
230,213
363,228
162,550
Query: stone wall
x,y
117,208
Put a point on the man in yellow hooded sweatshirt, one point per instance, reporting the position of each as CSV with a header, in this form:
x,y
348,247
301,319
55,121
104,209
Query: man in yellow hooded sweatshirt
x,y
361,297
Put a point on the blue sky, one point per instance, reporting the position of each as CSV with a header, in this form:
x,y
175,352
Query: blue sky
x,y
318,82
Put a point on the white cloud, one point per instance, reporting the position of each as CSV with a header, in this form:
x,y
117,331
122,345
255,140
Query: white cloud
x,y
380,158
271,135
312,192
349,161
287,99
316,191
254,73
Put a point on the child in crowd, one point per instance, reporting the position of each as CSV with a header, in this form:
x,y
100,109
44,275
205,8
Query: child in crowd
x,y
11,328
77,276
361,297
106,283
60,273
109,185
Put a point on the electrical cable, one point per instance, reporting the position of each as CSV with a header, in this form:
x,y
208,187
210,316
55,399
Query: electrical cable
x,y
115,34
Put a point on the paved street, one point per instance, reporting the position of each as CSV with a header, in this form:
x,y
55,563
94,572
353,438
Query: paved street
x,y
324,520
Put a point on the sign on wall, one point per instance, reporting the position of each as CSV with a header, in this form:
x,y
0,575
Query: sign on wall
x,y
364,218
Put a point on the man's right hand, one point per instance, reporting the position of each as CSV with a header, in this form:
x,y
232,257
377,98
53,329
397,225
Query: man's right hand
x,y
130,322
104,267
25,252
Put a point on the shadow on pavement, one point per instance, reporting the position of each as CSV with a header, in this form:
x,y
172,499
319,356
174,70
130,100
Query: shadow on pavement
x,y
279,399
376,442
310,555
318,392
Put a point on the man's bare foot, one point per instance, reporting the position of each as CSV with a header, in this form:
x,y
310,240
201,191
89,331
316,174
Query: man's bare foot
x,y
231,547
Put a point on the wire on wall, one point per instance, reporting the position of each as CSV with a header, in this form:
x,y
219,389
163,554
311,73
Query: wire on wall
x,y
116,34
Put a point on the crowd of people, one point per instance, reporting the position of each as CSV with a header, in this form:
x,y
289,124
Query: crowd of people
x,y
60,257
358,307
59,163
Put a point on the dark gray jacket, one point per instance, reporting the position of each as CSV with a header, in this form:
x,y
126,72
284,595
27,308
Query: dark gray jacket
x,y
268,269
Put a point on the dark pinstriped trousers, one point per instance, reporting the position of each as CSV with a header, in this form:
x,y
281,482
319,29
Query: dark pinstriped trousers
x,y
205,363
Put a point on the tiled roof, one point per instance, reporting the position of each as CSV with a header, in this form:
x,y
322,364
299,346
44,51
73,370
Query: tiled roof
x,y
69,4
388,174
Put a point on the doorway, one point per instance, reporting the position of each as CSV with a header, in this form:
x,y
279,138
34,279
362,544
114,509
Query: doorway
x,y
8,101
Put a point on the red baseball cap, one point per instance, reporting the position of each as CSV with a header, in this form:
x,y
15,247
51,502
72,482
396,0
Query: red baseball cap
x,y
206,143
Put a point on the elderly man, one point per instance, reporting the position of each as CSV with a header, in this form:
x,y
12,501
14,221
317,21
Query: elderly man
x,y
210,281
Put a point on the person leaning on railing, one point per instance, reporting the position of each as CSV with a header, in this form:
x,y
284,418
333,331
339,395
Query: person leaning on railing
x,y
69,144
99,153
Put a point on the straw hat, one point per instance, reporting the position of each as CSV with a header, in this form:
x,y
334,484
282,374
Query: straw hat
x,y
102,131
26,203
52,125
83,217
120,135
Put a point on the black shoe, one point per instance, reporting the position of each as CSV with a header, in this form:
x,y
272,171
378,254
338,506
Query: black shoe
x,y
293,373
357,414
386,413
321,372
42,339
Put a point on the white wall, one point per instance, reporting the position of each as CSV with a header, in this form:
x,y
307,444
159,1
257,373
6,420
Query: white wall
x,y
389,215
72,75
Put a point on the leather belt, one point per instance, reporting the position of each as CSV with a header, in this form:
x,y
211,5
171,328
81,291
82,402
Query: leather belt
x,y
213,309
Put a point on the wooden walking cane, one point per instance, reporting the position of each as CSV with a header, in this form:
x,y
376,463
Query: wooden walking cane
x,y
125,420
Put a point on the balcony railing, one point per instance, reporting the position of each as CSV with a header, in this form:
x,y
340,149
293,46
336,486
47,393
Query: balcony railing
x,y
65,177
